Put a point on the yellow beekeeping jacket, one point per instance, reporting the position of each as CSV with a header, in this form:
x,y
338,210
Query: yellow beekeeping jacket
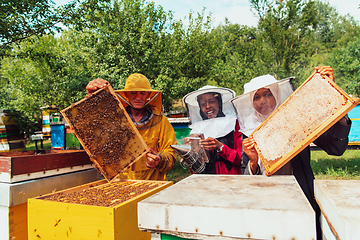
x,y
158,134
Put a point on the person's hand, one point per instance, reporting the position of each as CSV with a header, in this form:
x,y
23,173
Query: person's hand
x,y
95,85
327,71
186,141
248,146
153,159
210,144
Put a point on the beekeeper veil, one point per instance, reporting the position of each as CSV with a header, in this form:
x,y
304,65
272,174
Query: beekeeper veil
x,y
214,122
249,118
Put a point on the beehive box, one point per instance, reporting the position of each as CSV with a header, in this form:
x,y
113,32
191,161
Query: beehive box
x,y
106,132
309,111
11,138
27,165
100,210
339,201
225,207
13,199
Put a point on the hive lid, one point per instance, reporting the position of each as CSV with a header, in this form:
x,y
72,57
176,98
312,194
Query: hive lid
x,y
223,206
339,201
106,132
306,114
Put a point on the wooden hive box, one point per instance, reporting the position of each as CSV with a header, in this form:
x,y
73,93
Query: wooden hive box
x,y
14,196
309,111
106,132
339,201
27,165
100,210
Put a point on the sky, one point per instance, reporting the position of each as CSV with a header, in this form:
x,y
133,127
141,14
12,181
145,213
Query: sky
x,y
237,11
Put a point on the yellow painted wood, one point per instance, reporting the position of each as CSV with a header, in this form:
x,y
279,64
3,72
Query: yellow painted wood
x,y
58,220
18,222
126,220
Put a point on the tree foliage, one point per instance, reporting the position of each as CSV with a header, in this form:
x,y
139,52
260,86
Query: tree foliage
x,y
284,27
111,39
22,19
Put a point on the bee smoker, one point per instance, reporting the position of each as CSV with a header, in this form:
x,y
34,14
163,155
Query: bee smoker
x,y
193,155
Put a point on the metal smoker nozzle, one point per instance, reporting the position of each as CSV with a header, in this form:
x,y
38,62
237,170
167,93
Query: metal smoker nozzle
x,y
189,157
182,150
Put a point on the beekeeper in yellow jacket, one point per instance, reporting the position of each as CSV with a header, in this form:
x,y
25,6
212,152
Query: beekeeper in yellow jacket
x,y
144,106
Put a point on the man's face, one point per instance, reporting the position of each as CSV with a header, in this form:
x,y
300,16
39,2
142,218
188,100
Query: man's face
x,y
264,102
209,105
137,99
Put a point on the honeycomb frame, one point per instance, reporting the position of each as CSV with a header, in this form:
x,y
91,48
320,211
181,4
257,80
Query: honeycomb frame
x,y
271,151
106,132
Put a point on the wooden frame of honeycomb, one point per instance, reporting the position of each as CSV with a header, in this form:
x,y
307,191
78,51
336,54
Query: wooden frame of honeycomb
x,y
106,132
309,111
105,194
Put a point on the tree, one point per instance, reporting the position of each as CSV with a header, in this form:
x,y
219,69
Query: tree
x,y
132,36
347,67
43,71
236,63
285,28
23,19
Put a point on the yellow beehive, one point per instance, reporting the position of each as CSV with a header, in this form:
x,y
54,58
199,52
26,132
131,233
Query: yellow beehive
x,y
309,111
99,210
105,130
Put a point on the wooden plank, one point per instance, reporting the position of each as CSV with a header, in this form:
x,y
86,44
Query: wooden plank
x,y
18,222
44,162
29,165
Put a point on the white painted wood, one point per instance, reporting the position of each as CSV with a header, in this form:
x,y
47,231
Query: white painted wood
x,y
17,193
326,231
339,201
256,207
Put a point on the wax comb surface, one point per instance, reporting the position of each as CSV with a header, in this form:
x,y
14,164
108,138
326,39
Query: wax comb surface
x,y
106,132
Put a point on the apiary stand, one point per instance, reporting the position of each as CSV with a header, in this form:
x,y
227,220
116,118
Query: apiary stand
x,y
13,199
229,207
339,201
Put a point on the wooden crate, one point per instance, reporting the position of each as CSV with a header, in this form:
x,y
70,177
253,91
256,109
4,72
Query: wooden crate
x,y
113,214
106,132
309,111
27,165
14,196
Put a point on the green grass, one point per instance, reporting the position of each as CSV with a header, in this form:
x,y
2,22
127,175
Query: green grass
x,y
344,167
31,145
178,172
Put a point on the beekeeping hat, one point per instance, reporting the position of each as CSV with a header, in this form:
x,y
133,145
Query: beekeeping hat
x,y
249,118
138,82
215,127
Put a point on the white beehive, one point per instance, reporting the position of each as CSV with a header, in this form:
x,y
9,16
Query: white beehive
x,y
339,201
230,206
